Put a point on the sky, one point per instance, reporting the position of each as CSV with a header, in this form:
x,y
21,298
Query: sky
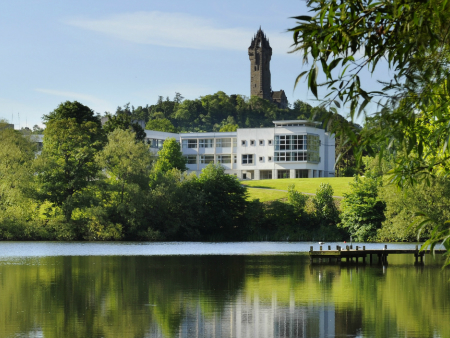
x,y
105,54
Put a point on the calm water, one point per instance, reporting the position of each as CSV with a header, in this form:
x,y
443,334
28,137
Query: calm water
x,y
214,290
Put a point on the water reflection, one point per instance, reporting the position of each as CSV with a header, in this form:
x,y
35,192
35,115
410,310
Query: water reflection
x,y
220,296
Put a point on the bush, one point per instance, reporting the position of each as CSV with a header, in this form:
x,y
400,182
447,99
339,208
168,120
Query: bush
x,y
362,209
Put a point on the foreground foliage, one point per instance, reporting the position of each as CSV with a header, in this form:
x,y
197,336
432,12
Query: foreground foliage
x,y
413,122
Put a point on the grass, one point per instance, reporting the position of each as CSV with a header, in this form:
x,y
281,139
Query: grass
x,y
308,185
265,195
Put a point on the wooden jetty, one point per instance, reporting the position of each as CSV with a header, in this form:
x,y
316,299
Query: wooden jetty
x,y
353,255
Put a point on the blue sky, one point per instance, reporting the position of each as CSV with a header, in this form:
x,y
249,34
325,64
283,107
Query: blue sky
x,y
108,53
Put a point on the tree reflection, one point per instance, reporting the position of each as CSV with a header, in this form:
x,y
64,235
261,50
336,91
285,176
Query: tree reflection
x,y
232,296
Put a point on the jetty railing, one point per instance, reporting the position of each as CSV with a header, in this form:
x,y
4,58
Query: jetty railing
x,y
353,255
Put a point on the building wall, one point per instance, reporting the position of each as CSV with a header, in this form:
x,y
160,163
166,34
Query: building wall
x,y
259,145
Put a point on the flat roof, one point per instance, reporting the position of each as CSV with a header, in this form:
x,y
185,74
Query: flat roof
x,y
159,134
297,122
209,134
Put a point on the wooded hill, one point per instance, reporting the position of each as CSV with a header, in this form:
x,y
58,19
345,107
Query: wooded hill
x,y
219,111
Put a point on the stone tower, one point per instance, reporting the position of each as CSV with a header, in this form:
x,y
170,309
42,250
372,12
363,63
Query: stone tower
x,y
260,54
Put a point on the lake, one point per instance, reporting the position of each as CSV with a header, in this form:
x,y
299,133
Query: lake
x,y
54,289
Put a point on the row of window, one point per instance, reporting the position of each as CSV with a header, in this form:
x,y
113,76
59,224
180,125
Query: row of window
x,y
296,156
209,143
282,156
253,142
299,173
206,159
220,143
308,142
225,159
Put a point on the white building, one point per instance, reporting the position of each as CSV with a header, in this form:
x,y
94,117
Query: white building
x,y
290,149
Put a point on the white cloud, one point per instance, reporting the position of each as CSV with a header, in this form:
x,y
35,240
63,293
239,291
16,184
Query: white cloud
x,y
177,30
93,102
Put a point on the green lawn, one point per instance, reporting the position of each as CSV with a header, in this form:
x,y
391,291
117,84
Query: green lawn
x,y
265,195
309,185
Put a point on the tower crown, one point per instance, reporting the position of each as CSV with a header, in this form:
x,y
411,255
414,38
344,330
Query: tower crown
x,y
260,40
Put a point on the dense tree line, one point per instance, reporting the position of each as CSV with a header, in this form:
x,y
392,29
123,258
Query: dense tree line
x,y
103,183
90,182
215,112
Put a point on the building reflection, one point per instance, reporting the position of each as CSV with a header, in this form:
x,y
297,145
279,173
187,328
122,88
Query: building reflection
x,y
250,317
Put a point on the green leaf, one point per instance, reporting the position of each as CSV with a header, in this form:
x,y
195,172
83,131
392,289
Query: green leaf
x,y
299,78
302,17
363,105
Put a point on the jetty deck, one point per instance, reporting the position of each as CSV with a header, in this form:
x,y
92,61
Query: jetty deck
x,y
359,252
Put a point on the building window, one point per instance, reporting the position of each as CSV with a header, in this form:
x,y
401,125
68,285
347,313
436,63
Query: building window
x,y
247,159
261,142
270,158
265,174
290,156
206,159
235,158
155,143
252,142
206,143
234,142
244,143
313,146
224,159
223,143
270,142
310,144
301,173
290,142
191,159
189,143
261,159
283,174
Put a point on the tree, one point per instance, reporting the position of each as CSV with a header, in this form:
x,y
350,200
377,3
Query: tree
x,y
407,206
362,210
72,137
178,98
170,157
224,202
160,125
37,129
72,110
297,199
123,121
413,37
326,210
126,164
125,161
228,127
17,210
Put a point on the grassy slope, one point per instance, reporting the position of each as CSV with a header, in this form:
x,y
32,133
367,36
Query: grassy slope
x,y
308,185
